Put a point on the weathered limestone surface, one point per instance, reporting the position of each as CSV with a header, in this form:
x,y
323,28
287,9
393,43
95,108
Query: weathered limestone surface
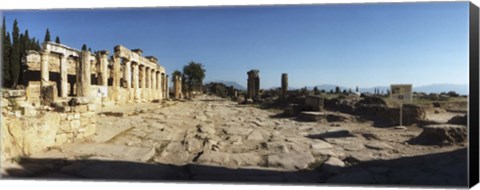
x,y
27,130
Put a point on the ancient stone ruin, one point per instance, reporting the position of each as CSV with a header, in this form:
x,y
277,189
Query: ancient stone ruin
x,y
253,85
65,88
126,77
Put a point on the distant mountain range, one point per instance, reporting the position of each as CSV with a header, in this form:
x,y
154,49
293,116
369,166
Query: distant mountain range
x,y
434,88
229,83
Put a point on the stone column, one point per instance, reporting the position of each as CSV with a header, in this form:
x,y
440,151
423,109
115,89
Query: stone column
x,y
160,85
284,85
63,76
167,95
151,86
116,77
253,84
127,76
136,90
177,86
146,84
103,58
143,84
83,74
44,70
154,84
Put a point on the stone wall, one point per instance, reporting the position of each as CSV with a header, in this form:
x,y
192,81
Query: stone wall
x,y
27,129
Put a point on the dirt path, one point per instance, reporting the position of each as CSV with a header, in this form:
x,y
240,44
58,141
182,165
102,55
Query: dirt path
x,y
215,139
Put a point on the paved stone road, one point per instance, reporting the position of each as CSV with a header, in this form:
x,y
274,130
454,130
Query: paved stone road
x,y
214,139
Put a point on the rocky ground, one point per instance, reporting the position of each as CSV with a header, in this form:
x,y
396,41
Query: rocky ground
x,y
213,139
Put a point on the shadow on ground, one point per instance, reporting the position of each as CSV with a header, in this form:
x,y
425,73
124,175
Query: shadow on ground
x,y
332,134
448,169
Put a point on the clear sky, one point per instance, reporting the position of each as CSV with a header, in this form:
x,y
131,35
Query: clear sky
x,y
349,45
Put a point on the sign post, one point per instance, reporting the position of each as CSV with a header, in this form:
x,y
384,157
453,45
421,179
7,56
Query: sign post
x,y
102,93
401,93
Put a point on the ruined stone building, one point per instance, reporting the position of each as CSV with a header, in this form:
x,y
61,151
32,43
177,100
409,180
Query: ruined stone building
x,y
65,87
58,72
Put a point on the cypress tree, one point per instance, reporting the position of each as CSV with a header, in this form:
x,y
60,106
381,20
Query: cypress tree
x,y
84,47
15,55
6,49
47,36
57,40
26,41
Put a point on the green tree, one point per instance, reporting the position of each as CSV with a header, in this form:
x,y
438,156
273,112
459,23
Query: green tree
x,y
193,75
15,55
6,49
47,36
57,40
315,90
84,47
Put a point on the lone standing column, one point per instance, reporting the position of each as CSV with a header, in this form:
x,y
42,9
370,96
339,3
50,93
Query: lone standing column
x,y
44,68
177,86
83,74
284,85
253,85
63,76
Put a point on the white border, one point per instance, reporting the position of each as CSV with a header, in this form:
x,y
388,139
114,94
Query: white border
x,y
56,4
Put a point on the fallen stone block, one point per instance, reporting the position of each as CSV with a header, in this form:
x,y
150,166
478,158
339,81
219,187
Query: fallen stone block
x,y
441,134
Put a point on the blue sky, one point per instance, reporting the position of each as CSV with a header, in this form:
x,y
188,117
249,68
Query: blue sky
x,y
349,45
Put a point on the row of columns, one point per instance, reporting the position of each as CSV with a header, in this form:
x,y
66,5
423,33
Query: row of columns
x,y
146,80
151,79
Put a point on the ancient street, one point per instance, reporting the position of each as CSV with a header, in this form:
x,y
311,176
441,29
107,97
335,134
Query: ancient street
x,y
216,139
